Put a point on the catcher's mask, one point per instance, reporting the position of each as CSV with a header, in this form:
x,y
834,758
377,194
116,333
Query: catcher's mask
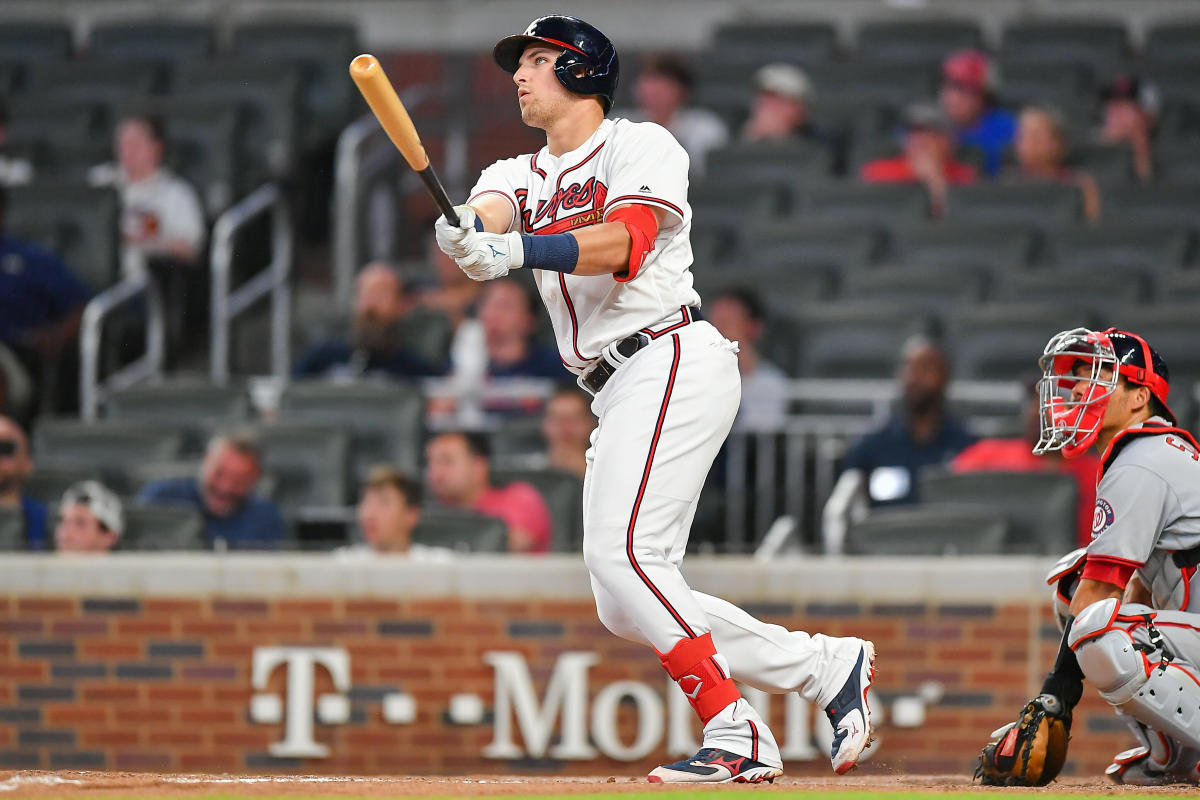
x,y
1071,422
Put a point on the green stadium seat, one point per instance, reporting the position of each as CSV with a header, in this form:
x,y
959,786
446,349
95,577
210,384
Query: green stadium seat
x,y
917,41
159,42
76,222
162,528
35,41
928,531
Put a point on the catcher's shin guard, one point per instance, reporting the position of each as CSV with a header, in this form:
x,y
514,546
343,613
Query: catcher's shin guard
x,y
1142,681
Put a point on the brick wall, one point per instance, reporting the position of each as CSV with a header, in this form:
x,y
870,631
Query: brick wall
x,y
164,683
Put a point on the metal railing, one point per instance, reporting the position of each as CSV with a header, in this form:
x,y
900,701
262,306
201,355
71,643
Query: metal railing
x,y
274,281
92,390
790,470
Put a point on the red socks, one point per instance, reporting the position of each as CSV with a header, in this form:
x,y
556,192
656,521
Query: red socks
x,y
691,665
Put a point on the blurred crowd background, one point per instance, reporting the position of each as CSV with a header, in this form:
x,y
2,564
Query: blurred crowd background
x,y
224,324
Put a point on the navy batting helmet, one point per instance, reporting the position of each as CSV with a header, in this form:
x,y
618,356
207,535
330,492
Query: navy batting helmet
x,y
588,64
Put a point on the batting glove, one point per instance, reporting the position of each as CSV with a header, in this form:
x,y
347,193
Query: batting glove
x,y
456,242
493,255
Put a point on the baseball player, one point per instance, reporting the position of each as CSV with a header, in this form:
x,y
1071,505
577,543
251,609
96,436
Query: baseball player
x,y
600,215
1129,602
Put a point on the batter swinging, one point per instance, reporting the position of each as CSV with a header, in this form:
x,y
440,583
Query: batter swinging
x,y
601,216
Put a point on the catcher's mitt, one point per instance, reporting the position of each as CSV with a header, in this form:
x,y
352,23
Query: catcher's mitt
x,y
1030,751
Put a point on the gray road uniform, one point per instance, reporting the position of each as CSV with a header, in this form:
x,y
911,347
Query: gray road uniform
x,y
1145,660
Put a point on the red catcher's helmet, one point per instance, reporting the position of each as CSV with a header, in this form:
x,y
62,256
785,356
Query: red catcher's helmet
x,y
1072,426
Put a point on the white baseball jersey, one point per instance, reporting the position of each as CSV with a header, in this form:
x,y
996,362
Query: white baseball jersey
x,y
622,162
1148,507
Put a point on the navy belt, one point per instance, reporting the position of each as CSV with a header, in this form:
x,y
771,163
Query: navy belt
x,y
595,378
1186,558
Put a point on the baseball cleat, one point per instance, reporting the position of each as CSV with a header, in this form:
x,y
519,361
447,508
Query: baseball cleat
x,y
711,765
1136,768
850,714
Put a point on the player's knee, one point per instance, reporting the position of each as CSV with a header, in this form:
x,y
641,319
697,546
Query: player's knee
x,y
617,621
1108,655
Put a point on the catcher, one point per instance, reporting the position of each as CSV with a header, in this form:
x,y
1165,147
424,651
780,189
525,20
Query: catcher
x,y
1129,603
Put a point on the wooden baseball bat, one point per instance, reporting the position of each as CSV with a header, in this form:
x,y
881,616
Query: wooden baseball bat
x,y
377,90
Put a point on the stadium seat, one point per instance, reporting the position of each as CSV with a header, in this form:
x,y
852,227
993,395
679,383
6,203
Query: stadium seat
x,y
98,81
994,247
76,222
463,531
162,528
734,201
1160,204
109,448
12,531
932,289
1173,40
783,287
58,139
854,340
1102,288
792,164
1040,507
917,41
1002,341
1156,248
428,333
869,204
1170,328
1102,46
47,483
1180,287
790,242
266,98
1178,162
922,531
35,41
895,86
195,407
322,51
307,461
760,42
383,420
1030,205
1024,82
563,493
158,42
1110,164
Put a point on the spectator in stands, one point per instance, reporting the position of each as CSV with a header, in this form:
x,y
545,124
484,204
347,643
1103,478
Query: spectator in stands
x,y
567,428
234,517
738,314
508,313
967,97
928,157
389,508
458,476
780,111
1130,114
452,292
16,466
41,305
1041,151
662,92
14,170
161,214
90,519
919,433
1016,454
374,346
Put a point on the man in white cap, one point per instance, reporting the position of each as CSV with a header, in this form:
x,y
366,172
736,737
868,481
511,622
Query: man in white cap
x,y
91,519
780,111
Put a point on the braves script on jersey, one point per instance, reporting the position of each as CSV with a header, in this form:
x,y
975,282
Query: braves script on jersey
x,y
1147,507
622,162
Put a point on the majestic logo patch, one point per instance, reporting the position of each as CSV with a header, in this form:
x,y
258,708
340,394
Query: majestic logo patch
x,y
1102,517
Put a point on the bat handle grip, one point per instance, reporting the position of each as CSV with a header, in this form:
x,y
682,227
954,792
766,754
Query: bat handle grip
x,y
430,179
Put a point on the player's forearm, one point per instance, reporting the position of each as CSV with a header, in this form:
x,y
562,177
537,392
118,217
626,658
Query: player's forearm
x,y
1092,591
603,249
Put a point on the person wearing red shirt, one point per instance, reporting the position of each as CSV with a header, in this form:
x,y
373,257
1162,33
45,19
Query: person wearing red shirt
x,y
458,476
927,157
1013,455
